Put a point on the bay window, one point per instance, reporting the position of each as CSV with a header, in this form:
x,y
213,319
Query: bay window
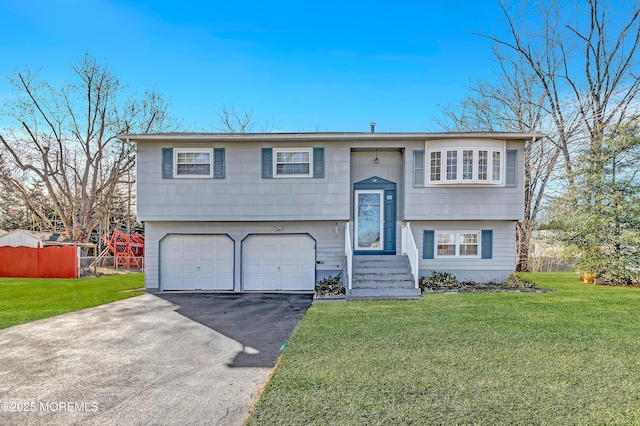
x,y
465,165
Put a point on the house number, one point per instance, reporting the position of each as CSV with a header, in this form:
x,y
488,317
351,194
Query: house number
x,y
374,180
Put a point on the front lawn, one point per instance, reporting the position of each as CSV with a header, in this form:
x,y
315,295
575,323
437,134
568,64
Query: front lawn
x,y
28,299
567,357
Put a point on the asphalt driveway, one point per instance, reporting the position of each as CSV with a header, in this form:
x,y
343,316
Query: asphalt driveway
x,y
183,359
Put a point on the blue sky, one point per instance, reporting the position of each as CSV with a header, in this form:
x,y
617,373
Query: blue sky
x,y
302,66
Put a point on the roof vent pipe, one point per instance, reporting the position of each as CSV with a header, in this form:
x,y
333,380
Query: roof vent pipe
x,y
373,126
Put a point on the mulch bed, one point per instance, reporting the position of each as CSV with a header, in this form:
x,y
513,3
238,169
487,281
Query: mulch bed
x,y
487,288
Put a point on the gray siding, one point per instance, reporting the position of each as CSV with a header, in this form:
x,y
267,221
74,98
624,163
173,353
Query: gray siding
x,y
447,202
329,238
243,195
390,167
471,269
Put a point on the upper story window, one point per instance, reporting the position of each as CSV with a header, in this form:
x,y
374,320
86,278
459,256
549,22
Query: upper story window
x,y
193,162
435,165
465,165
293,162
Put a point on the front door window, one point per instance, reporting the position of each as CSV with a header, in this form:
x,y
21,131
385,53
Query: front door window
x,y
369,220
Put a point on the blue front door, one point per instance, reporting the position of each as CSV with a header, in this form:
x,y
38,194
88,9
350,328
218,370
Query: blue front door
x,y
390,221
374,217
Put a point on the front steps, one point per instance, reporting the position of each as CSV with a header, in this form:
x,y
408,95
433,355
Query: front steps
x,y
382,277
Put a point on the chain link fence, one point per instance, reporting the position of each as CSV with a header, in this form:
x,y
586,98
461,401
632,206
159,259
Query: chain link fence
x,y
109,265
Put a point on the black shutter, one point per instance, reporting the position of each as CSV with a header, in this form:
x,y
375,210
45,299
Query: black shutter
x,y
267,163
487,244
418,168
318,162
512,167
167,163
428,244
218,163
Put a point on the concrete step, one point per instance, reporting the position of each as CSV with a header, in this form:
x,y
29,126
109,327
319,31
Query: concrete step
x,y
390,277
377,257
379,277
383,294
381,263
383,285
380,268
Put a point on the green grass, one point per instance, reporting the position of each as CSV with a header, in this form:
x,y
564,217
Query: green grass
x,y
567,357
28,299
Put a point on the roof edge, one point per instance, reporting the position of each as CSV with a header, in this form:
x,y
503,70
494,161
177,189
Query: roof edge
x,y
227,137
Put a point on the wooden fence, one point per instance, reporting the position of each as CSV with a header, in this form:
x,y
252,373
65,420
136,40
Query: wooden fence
x,y
43,262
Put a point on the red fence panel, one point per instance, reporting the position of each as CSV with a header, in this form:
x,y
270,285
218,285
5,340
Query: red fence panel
x,y
45,262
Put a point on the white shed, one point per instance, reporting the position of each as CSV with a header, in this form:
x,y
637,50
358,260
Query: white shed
x,y
27,238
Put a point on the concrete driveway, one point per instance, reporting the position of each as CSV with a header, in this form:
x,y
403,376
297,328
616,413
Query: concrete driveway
x,y
183,359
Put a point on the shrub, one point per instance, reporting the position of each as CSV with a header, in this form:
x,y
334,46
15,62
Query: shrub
x,y
439,281
446,281
514,281
331,285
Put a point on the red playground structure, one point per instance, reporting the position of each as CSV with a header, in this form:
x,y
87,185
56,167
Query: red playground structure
x,y
128,250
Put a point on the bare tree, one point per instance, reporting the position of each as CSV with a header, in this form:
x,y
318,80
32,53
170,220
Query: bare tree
x,y
569,73
233,121
584,60
511,103
64,139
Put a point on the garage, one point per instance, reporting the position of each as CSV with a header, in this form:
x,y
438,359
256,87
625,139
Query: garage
x,y
279,262
196,262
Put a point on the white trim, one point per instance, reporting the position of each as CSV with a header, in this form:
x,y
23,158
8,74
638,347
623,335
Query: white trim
x,y
177,151
329,136
457,244
275,162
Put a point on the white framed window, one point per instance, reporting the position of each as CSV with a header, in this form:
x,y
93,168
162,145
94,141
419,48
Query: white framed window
x,y
458,243
293,162
483,165
496,166
192,163
466,165
435,166
452,165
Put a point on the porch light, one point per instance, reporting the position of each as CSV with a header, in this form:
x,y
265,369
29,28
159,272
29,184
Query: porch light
x,y
376,160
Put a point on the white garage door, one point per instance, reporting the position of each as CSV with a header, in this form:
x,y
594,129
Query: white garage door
x,y
278,262
196,262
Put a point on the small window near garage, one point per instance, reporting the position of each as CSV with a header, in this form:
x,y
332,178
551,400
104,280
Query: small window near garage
x,y
446,244
192,162
293,163
468,244
458,244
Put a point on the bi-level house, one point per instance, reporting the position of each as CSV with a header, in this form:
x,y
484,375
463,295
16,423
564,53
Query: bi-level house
x,y
279,211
